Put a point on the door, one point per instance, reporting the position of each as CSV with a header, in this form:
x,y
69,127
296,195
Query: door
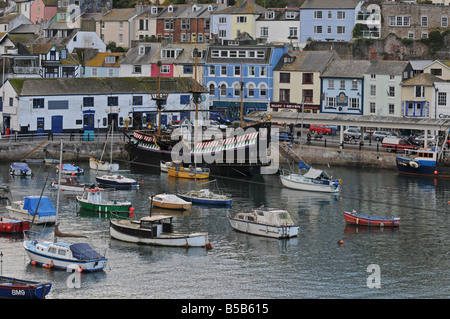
x,y
113,117
57,124
40,126
88,126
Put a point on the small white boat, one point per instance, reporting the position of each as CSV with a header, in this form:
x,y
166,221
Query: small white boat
x,y
69,169
70,184
169,201
20,169
315,180
116,180
263,221
206,197
26,209
155,230
165,166
100,165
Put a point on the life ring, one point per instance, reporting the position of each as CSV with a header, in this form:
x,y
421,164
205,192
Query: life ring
x,y
340,181
413,164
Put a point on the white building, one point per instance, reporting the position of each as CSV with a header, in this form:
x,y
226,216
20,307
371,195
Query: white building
x,y
279,25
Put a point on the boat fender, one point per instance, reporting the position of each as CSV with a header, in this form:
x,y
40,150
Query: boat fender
x,y
413,164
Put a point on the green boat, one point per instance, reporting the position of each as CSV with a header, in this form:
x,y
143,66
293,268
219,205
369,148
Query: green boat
x,y
92,200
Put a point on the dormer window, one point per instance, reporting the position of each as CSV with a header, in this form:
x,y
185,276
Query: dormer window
x,y
210,8
170,8
141,50
110,59
288,59
270,15
154,10
290,15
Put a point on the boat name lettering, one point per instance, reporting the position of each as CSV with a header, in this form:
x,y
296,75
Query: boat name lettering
x,y
18,292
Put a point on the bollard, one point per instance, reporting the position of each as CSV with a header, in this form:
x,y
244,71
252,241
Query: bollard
x,y
325,143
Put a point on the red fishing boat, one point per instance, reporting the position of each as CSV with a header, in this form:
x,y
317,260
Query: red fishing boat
x,y
13,226
354,218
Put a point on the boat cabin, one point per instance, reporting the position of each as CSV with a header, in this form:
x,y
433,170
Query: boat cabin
x,y
157,224
94,195
267,216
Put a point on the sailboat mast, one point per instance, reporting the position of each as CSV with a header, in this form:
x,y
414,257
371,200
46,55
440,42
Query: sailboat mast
x,y
242,97
59,180
158,102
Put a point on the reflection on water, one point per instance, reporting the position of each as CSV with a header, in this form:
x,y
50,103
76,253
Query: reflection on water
x,y
413,258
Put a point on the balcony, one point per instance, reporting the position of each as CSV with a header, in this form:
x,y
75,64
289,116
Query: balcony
x,y
26,70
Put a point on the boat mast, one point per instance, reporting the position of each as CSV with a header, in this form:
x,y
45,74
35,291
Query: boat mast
x,y
242,97
159,98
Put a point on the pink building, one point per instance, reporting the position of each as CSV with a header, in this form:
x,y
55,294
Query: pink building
x,y
166,70
43,10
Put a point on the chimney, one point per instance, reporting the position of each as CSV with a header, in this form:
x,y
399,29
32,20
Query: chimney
x,y
373,55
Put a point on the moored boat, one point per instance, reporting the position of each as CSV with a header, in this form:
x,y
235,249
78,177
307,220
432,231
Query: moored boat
x,y
427,162
14,288
205,196
70,184
314,180
69,169
169,201
179,171
28,209
99,165
13,226
165,166
92,199
155,230
354,218
264,221
116,181
20,169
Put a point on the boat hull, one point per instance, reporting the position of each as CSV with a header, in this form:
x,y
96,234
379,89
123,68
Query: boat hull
x,y
304,185
115,184
95,164
24,215
145,236
13,288
409,167
52,261
206,201
11,226
171,205
190,175
366,220
278,232
105,208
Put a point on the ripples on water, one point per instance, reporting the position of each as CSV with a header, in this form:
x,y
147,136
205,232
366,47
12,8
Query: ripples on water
x,y
414,259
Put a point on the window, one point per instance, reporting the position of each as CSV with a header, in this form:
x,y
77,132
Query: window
x,y
241,19
110,72
264,31
331,102
185,24
391,91
263,70
237,70
354,84
410,34
251,90
399,21
292,32
284,95
437,72
419,91
307,95
212,70
137,100
307,78
270,15
11,101
113,100
222,20
444,21
137,68
222,33
318,29
424,21
121,25
237,90
88,101
341,15
354,102
223,70
188,69
120,38
342,86
185,99
94,72
38,103
331,84
373,90
340,29
372,107
317,14
330,15
442,98
290,15
285,77
212,90
251,71
168,24
165,69
329,29
391,108
263,91
424,35
223,90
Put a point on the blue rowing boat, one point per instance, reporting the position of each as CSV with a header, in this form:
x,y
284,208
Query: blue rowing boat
x,y
13,288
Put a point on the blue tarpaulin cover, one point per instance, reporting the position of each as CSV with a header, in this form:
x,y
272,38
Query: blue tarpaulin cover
x,y
46,207
70,167
83,251
20,165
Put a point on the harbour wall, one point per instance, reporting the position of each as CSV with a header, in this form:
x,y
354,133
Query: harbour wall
x,y
79,151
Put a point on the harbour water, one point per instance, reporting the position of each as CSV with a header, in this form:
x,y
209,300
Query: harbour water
x,y
413,260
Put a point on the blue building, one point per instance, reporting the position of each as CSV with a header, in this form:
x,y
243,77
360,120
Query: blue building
x,y
227,66
328,20
342,86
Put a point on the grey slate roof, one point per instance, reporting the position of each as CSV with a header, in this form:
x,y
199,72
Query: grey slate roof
x,y
133,56
387,67
79,86
346,69
307,61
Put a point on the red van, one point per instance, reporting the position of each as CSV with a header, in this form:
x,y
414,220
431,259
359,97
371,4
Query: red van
x,y
391,144
320,129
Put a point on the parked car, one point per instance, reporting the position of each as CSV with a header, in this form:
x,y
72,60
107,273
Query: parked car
x,y
321,129
379,135
420,140
392,144
355,133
